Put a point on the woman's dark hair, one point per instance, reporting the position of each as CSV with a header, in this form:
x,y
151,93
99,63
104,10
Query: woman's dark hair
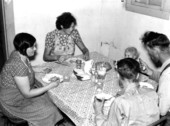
x,y
152,39
23,41
128,68
65,20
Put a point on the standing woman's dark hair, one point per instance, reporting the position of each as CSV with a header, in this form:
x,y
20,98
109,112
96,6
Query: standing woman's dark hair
x,y
23,41
65,20
128,68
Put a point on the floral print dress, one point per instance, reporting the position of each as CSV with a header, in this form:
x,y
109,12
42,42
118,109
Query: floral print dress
x,y
62,44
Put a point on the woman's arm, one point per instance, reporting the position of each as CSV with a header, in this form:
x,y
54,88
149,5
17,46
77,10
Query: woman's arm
x,y
81,45
23,85
84,50
48,57
49,45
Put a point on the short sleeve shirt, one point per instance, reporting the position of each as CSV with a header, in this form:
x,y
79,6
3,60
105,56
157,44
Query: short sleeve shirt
x,y
15,67
62,44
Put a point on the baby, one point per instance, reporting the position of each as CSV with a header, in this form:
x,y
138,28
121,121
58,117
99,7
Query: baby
x,y
132,52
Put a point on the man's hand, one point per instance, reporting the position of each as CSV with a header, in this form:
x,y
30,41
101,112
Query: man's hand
x,y
98,106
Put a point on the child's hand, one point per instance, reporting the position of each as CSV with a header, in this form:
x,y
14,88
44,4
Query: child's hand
x,y
144,67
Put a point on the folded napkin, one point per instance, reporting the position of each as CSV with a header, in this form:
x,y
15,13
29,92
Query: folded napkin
x,y
87,66
81,75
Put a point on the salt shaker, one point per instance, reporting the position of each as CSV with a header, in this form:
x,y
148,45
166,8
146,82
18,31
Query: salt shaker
x,y
78,64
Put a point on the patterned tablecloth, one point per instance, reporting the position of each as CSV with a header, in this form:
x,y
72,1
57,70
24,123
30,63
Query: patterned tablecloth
x,y
75,98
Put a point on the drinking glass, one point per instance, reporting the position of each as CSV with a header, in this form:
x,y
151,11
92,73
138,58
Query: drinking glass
x,y
78,64
101,77
101,73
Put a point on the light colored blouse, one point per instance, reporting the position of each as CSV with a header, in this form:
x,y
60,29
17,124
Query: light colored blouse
x,y
136,107
62,44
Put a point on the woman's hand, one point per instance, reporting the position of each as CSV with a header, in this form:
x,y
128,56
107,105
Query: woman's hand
x,y
86,56
98,106
54,84
64,58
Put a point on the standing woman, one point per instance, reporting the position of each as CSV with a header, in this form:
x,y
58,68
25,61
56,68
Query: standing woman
x,y
19,94
60,43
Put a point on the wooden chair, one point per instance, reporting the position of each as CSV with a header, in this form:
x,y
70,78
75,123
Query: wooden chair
x,y
158,122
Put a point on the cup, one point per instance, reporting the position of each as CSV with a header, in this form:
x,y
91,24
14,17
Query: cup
x,y
78,64
66,78
101,73
99,86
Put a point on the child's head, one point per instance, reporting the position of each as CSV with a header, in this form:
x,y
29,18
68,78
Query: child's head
x,y
131,52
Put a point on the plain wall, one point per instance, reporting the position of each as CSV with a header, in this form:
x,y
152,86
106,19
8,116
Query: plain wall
x,y
98,21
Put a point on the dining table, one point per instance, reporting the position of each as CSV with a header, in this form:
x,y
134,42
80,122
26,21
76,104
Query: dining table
x,y
75,97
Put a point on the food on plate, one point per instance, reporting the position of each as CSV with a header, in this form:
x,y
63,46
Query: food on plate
x,y
47,70
54,79
72,61
105,96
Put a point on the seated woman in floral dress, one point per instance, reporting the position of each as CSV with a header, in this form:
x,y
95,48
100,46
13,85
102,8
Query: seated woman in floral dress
x,y
60,43
20,94
136,107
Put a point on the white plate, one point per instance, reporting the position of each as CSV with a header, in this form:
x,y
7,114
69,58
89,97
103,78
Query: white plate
x,y
47,77
145,84
73,60
103,96
79,71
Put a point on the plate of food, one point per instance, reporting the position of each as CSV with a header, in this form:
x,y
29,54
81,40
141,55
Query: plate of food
x,y
104,96
74,60
145,84
52,77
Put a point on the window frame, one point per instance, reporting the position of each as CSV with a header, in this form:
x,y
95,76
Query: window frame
x,y
162,11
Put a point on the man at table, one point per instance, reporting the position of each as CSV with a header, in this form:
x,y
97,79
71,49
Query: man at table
x,y
157,46
136,107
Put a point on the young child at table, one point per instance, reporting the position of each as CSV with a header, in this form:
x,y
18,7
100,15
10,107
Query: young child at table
x,y
135,107
132,52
